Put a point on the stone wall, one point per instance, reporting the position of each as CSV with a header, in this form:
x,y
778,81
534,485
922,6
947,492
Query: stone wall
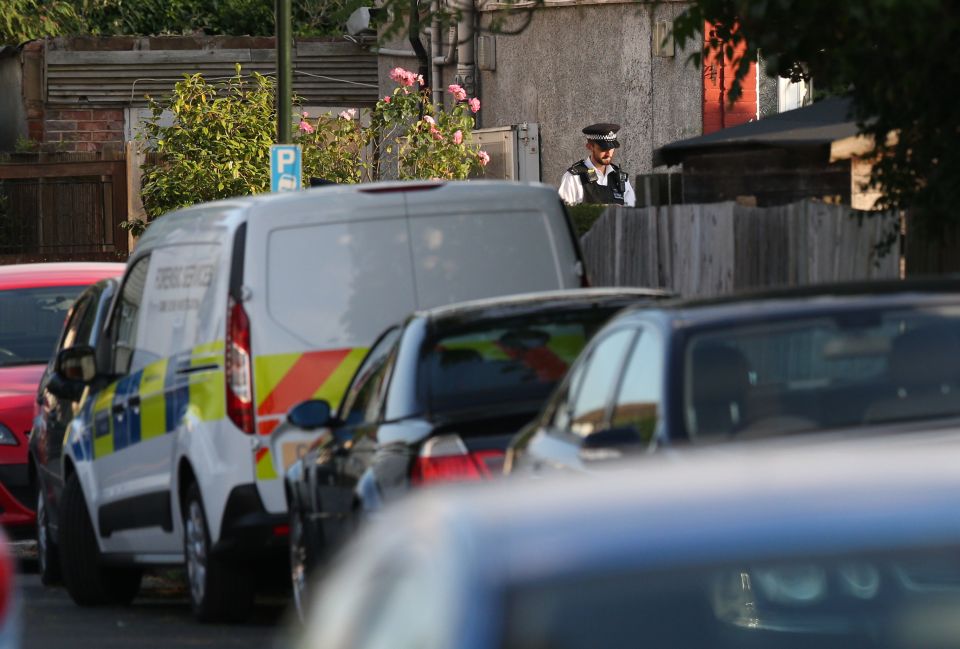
x,y
577,65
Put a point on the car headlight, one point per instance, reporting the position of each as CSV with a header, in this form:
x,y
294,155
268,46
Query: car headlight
x,y
796,585
7,438
860,579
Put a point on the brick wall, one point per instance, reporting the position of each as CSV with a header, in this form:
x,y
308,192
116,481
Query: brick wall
x,y
83,129
718,75
72,129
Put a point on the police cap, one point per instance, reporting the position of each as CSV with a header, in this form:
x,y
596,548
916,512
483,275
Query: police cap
x,y
603,134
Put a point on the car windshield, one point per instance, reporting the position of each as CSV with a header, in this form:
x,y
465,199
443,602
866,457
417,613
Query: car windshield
x,y
852,369
879,600
30,322
506,361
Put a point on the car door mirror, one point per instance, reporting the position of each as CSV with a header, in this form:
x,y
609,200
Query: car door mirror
x,y
311,414
612,443
77,364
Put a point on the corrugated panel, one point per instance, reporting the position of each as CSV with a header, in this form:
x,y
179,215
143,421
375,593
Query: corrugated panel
x,y
325,74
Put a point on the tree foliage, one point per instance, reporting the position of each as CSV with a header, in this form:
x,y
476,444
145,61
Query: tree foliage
x,y
892,57
218,142
23,20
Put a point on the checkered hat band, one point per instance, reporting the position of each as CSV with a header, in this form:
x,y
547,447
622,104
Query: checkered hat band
x,y
606,138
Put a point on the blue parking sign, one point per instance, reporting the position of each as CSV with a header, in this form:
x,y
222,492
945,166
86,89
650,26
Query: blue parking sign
x,y
285,168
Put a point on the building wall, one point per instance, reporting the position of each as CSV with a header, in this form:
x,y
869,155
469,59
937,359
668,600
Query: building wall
x,y
718,75
577,65
84,129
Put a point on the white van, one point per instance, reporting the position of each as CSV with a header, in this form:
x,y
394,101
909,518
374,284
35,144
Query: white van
x,y
232,312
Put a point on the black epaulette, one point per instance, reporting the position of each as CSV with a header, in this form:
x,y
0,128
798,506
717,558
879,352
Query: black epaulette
x,y
587,174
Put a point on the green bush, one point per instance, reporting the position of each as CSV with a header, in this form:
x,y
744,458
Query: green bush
x,y
584,216
218,145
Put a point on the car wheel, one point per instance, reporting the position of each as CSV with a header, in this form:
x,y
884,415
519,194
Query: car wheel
x,y
299,564
48,555
89,582
220,590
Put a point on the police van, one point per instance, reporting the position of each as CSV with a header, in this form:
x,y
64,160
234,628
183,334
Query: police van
x,y
231,312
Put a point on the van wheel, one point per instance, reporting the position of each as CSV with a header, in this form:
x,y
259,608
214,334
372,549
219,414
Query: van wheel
x,y
48,554
220,591
89,582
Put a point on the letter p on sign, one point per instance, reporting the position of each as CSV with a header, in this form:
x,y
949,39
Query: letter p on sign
x,y
285,168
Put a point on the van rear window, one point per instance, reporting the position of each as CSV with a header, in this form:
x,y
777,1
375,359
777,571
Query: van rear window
x,y
339,284
459,257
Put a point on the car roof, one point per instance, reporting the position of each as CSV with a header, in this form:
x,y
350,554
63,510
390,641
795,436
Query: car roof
x,y
721,504
57,274
805,300
541,301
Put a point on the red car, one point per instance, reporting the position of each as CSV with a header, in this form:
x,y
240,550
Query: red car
x,y
34,300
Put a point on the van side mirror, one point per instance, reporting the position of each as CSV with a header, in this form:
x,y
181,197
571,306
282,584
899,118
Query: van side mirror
x,y
63,388
311,414
77,364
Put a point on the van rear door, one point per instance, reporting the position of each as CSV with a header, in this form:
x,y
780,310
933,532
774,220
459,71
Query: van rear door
x,y
478,240
324,278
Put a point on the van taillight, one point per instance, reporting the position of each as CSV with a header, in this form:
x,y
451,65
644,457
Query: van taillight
x,y
446,459
237,369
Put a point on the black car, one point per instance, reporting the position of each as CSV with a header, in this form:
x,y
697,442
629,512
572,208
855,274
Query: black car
x,y
58,402
842,357
436,399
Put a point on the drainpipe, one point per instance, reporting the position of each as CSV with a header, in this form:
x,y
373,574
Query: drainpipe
x,y
421,52
435,45
466,68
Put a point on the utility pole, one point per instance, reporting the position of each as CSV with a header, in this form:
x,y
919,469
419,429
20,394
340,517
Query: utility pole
x,y
284,72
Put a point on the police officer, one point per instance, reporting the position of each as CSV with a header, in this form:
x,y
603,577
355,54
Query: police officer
x,y
595,179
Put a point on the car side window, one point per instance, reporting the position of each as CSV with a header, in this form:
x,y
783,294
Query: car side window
x,y
364,392
560,409
638,403
127,317
588,409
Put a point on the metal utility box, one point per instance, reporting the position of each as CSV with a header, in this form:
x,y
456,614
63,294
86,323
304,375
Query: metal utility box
x,y
514,151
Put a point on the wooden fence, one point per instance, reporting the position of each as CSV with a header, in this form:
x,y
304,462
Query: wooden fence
x,y
714,249
62,210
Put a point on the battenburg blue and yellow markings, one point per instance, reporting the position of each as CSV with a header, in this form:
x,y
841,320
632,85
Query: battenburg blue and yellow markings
x,y
154,400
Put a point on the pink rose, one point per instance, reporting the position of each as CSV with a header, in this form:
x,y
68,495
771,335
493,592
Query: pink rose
x,y
457,91
458,137
305,114
386,99
474,104
305,127
435,132
484,157
429,120
348,114
405,77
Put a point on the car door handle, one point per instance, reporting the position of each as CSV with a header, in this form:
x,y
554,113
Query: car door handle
x,y
134,403
118,408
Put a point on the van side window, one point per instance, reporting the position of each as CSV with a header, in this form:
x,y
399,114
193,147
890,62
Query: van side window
x,y
127,317
78,314
364,392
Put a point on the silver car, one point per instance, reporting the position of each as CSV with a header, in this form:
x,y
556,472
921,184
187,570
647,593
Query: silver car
x,y
847,543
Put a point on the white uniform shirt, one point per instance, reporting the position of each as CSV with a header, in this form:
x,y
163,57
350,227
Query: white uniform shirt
x,y
571,191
